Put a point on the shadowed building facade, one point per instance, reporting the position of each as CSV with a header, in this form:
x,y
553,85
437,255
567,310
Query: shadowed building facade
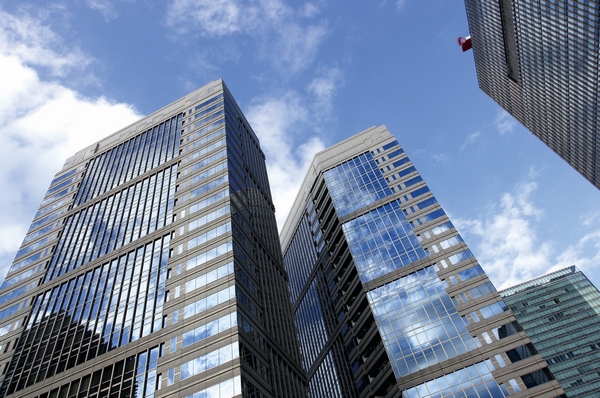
x,y
560,312
539,60
153,268
388,299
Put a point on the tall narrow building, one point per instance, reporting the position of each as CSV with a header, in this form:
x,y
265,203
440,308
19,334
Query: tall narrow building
x,y
539,60
560,311
153,268
388,299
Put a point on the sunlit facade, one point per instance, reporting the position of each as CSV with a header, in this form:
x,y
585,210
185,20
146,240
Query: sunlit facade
x,y
560,312
388,299
539,60
153,268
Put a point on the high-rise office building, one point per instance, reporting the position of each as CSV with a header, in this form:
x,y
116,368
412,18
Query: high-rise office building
x,y
539,60
560,312
388,299
153,268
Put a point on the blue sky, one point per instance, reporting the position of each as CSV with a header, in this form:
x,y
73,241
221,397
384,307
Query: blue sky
x,y
306,75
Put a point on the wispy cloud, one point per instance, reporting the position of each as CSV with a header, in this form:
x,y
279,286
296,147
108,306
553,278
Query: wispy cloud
x,y
26,38
590,219
508,248
439,157
289,127
288,38
505,123
105,7
41,122
470,139
505,240
277,121
400,4
323,88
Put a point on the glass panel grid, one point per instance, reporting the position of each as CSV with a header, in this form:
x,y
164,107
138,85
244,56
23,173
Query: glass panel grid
x,y
419,323
355,184
381,241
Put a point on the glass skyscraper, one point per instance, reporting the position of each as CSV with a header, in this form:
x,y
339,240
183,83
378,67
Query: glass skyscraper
x,y
560,312
539,60
153,268
388,299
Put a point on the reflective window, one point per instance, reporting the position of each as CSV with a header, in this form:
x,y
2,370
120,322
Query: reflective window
x,y
11,281
115,221
324,383
208,119
208,102
15,293
473,381
37,233
95,312
9,311
208,186
226,389
418,322
209,302
355,184
381,241
208,255
209,361
310,322
62,177
205,174
208,201
208,235
300,258
209,329
471,273
31,248
209,277
130,159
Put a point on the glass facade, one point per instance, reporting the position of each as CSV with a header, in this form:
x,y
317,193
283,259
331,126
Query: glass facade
x,y
388,299
560,311
539,60
153,268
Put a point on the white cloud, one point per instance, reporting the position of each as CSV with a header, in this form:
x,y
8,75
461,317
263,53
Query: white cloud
x,y
508,248
470,139
310,10
277,121
27,39
41,122
505,123
590,219
323,89
506,243
400,4
579,254
211,17
284,39
105,7
439,157
288,127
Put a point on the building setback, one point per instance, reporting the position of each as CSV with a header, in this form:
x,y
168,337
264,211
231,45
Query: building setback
x,y
388,299
560,312
539,60
153,268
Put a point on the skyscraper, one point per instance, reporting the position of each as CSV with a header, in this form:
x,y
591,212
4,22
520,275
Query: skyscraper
x,y
539,60
153,268
388,299
560,312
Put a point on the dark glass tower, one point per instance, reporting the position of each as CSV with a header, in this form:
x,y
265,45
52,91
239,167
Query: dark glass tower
x,y
560,312
388,299
153,268
539,60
